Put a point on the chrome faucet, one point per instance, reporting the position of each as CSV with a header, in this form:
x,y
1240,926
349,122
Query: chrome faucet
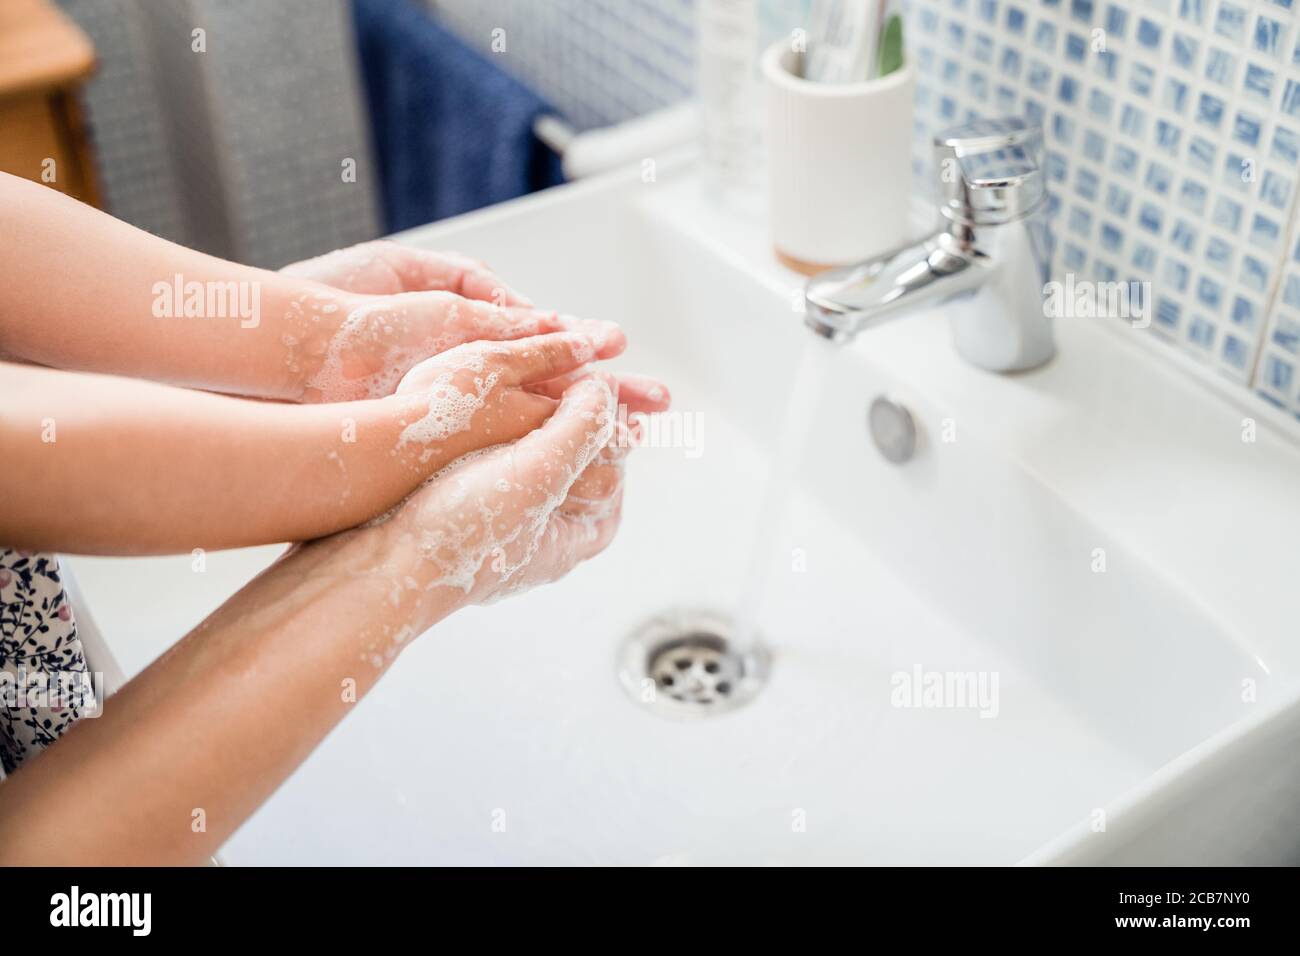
x,y
993,248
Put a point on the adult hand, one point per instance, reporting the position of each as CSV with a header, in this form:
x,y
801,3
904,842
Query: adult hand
x,y
384,267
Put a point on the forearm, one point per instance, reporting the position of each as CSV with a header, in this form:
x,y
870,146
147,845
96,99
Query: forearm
x,y
217,723
85,291
97,464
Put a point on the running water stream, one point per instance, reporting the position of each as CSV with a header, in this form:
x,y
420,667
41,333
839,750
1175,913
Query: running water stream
x,y
787,456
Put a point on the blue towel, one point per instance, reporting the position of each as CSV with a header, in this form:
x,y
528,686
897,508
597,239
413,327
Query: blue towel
x,y
452,131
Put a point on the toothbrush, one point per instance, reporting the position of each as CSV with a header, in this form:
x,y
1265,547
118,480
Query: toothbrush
x,y
889,54
842,40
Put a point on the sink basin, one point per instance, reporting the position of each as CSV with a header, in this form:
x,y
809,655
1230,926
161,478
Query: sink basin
x,y
1094,537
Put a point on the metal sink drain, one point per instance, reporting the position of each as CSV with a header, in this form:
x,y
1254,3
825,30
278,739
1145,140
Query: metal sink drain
x,y
681,663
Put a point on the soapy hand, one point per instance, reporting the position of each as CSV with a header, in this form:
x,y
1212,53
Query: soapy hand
x,y
513,516
481,394
502,516
381,338
488,393
407,304
384,267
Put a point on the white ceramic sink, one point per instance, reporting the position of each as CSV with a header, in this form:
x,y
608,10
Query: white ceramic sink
x,y
504,736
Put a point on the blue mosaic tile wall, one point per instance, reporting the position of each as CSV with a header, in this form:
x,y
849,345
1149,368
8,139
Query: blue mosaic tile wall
x,y
1173,155
1173,131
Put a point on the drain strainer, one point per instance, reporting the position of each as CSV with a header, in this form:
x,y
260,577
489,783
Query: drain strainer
x,y
683,663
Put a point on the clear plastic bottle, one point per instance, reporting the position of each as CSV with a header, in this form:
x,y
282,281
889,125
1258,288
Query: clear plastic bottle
x,y
732,34
727,56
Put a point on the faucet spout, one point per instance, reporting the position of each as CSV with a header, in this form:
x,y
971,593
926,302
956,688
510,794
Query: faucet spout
x,y
994,248
843,302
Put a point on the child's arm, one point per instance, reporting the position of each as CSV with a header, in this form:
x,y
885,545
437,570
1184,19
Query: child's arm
x,y
97,464
81,290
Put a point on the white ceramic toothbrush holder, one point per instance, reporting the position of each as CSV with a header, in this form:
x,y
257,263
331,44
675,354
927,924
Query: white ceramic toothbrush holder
x,y
839,163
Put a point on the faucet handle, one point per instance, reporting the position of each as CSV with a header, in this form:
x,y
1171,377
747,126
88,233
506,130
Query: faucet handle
x,y
990,171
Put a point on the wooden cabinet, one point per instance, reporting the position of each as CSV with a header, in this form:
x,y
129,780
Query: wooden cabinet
x,y
44,59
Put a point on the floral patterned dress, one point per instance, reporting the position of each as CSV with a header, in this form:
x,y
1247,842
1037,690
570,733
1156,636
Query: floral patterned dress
x,y
38,636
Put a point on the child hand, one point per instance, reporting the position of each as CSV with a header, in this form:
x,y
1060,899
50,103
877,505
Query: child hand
x,y
518,515
481,394
381,338
489,393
